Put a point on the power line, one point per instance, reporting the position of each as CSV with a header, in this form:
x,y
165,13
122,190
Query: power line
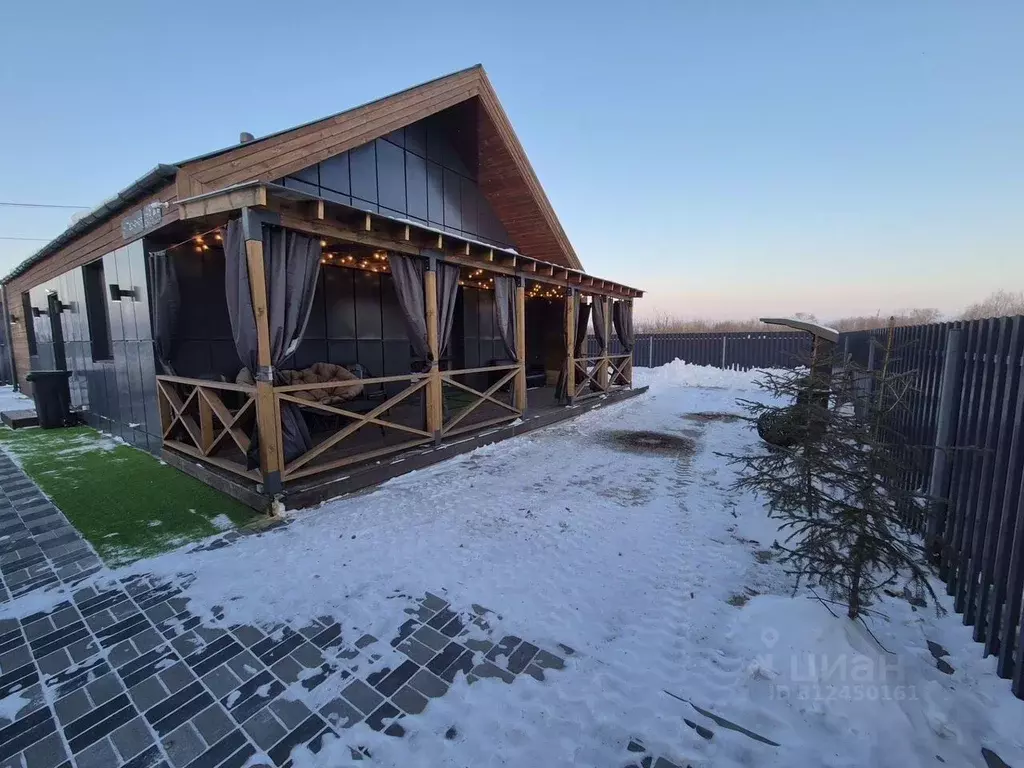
x,y
45,205
36,239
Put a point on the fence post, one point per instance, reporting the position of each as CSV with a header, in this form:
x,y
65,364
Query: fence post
x,y
650,352
723,350
945,426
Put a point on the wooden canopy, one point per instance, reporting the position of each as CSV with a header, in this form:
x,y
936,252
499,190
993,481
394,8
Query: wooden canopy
x,y
306,212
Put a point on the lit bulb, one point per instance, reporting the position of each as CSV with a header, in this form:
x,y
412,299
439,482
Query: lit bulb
x,y
323,243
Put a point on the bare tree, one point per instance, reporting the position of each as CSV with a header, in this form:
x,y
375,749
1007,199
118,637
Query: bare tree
x,y
998,304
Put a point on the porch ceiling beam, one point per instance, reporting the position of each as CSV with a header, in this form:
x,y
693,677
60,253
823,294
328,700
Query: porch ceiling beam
x,y
311,214
220,202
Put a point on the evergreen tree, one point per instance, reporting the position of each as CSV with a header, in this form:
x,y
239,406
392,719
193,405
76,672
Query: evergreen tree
x,y
834,472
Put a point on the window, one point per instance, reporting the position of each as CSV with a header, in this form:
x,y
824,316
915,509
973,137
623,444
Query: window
x,y
96,311
30,323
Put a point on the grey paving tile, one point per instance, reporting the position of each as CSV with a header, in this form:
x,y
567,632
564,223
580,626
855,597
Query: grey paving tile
x,y
287,669
291,713
55,662
245,665
99,755
176,676
147,640
148,693
340,713
362,696
429,684
183,745
132,738
72,706
121,653
213,724
431,638
221,681
409,700
46,753
247,636
264,729
104,689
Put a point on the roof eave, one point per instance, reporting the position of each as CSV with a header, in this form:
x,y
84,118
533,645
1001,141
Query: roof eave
x,y
141,187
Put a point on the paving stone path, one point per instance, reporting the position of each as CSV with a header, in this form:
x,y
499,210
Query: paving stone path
x,y
126,675
38,546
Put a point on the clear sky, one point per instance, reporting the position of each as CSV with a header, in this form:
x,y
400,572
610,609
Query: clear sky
x,y
731,158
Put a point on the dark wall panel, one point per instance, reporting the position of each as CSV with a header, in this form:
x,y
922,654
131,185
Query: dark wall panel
x,y
416,173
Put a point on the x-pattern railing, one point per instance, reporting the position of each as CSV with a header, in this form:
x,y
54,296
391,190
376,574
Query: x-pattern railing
x,y
197,408
451,427
298,466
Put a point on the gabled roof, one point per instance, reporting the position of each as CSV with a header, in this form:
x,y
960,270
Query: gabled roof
x,y
505,176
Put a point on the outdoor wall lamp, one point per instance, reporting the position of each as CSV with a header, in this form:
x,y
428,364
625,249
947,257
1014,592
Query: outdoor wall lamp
x,y
37,312
118,294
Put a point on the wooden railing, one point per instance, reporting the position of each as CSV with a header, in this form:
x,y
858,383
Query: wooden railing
x,y
196,421
602,373
301,466
451,425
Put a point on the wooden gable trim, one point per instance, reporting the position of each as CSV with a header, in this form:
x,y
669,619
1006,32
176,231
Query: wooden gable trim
x,y
507,180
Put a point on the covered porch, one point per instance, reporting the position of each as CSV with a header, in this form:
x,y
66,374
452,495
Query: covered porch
x,y
305,343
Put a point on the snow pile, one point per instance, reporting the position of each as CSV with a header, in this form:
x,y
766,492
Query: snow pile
x,y
682,374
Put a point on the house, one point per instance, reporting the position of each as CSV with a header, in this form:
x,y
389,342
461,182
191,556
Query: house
x,y
318,309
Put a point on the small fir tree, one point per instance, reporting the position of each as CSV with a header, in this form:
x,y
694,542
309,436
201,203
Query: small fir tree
x,y
835,478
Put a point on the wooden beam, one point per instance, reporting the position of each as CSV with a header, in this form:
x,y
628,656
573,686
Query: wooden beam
x,y
465,250
490,254
367,223
229,200
340,229
519,392
569,318
435,410
205,424
406,233
268,426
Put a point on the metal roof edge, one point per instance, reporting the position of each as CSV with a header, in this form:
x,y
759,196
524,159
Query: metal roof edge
x,y
142,186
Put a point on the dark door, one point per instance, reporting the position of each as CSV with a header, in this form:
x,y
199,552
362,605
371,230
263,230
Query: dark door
x,y
54,307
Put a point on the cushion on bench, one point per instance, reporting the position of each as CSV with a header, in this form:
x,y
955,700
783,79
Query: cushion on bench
x,y
318,373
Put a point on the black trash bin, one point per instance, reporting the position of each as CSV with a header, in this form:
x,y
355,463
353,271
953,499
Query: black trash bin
x,y
52,394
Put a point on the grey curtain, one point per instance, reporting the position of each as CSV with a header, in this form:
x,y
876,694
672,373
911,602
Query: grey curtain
x,y
291,263
600,304
447,292
166,304
505,312
622,319
407,272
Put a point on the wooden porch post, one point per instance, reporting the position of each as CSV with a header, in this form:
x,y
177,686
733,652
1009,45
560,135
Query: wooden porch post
x,y
602,371
629,365
570,339
520,381
269,428
435,410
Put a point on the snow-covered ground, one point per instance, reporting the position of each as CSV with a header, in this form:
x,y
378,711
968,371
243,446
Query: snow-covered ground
x,y
14,401
661,579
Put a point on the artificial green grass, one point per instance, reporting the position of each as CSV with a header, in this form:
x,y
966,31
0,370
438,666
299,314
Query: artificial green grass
x,y
124,501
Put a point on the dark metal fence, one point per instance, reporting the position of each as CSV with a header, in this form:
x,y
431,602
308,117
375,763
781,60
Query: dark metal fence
x,y
965,418
740,351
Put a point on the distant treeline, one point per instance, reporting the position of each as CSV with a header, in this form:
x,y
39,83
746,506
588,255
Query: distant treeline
x,y
998,304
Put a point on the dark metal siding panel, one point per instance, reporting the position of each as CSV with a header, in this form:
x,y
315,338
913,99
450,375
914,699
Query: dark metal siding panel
x,y
363,169
391,176
416,187
435,194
